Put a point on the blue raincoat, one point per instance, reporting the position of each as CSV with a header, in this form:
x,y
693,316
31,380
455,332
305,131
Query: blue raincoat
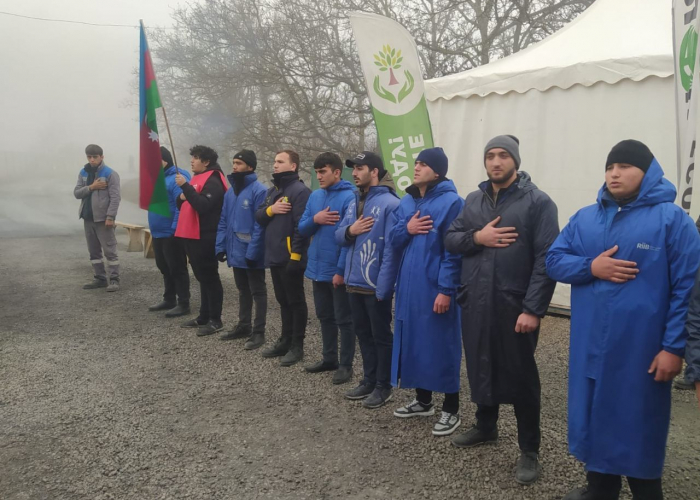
x,y
427,349
618,415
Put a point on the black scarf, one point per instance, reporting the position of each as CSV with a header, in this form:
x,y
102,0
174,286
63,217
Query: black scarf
x,y
239,181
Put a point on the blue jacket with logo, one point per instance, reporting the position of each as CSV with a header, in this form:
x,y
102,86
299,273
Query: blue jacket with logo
x,y
372,263
239,235
326,257
618,415
160,225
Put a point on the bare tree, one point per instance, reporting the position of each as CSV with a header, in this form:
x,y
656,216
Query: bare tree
x,y
270,74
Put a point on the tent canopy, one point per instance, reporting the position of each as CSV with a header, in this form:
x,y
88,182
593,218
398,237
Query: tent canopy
x,y
611,41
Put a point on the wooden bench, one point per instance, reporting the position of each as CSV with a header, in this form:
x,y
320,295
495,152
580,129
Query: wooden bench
x,y
135,236
148,244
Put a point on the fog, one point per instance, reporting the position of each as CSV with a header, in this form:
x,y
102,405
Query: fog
x,y
63,86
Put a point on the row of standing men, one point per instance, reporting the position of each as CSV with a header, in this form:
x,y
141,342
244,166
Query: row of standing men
x,y
471,272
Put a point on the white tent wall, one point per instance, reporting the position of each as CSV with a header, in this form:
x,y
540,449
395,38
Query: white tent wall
x,y
565,135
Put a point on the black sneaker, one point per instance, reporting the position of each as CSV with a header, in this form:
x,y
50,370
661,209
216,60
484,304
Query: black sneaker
x,y
528,468
278,350
474,437
321,366
415,409
256,340
239,332
342,375
210,328
378,398
96,283
293,356
178,310
162,306
193,323
360,392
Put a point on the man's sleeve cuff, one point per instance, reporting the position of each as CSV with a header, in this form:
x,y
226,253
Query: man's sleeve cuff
x,y
268,211
296,256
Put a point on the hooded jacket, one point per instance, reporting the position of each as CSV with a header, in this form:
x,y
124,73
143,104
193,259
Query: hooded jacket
x,y
427,349
207,202
499,284
326,257
618,415
239,235
105,202
371,264
160,225
282,236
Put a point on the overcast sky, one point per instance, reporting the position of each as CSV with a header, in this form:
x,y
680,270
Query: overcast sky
x,y
63,85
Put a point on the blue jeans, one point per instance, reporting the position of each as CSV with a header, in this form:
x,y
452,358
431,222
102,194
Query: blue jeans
x,y
333,311
371,320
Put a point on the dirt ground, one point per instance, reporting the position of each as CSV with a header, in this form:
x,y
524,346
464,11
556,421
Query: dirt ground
x,y
101,399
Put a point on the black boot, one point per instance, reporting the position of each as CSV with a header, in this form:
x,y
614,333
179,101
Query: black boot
x,y
474,437
294,355
256,340
239,332
182,309
600,487
162,306
279,349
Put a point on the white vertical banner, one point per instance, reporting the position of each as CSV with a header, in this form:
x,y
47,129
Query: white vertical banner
x,y
686,26
389,60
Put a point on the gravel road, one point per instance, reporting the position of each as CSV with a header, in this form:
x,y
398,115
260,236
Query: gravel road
x,y
101,399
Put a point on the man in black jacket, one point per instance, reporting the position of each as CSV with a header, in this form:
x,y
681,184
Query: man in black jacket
x,y
200,209
285,254
503,234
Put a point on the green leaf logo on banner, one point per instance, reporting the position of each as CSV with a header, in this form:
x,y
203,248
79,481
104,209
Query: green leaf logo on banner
x,y
686,59
389,59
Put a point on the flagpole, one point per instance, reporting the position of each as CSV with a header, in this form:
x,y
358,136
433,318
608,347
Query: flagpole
x,y
162,106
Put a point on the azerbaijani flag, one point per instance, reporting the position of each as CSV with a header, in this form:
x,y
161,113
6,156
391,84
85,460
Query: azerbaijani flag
x,y
153,194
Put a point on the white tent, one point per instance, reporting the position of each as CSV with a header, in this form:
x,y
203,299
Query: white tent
x,y
605,77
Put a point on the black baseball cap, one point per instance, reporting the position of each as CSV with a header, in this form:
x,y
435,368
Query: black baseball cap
x,y
372,160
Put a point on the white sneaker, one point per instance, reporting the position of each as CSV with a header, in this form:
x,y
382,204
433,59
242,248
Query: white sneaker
x,y
415,409
447,424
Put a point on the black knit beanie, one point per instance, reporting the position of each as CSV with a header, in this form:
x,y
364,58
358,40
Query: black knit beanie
x,y
631,152
166,157
248,157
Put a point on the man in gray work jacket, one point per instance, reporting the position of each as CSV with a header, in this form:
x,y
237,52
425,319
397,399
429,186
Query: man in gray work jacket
x,y
98,192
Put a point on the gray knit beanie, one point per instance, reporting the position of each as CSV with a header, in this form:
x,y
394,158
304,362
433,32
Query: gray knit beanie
x,y
508,142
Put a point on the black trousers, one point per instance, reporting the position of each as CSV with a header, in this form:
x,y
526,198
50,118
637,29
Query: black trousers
x,y
333,311
171,261
450,405
206,270
528,418
289,292
251,289
371,321
607,487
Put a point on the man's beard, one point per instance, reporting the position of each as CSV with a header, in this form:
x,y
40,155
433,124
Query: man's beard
x,y
506,177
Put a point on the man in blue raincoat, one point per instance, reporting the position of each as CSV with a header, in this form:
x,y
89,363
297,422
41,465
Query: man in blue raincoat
x,y
326,266
631,259
427,349
240,242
